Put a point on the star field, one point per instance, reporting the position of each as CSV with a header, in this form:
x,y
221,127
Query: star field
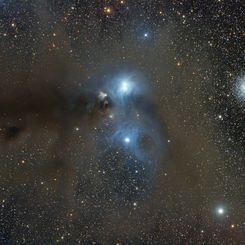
x,y
122,122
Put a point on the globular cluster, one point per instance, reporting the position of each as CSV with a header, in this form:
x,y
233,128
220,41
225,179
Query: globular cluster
x,y
122,122
240,88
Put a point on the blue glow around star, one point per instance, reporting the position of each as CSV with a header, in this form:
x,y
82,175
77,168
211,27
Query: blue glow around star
x,y
127,140
124,87
133,135
137,140
127,135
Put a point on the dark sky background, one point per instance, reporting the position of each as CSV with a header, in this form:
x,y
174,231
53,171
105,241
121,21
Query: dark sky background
x,y
122,122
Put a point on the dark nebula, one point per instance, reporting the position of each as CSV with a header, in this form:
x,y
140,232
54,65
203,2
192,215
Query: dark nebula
x,y
122,122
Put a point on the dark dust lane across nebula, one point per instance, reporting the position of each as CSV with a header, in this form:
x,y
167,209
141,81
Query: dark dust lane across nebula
x,y
122,122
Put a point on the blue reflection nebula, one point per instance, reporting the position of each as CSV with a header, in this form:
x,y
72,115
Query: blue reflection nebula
x,y
133,143
126,135
138,138
124,87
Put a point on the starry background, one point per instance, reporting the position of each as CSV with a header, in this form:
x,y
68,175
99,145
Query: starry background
x,y
122,122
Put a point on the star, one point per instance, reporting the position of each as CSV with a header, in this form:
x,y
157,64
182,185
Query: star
x,y
111,116
108,10
102,95
124,87
127,140
220,211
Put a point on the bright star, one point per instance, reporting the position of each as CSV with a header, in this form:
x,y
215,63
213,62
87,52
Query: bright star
x,y
125,86
146,34
220,211
127,140
108,10
111,116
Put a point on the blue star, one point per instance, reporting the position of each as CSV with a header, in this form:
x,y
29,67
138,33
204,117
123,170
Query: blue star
x,y
127,140
125,87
